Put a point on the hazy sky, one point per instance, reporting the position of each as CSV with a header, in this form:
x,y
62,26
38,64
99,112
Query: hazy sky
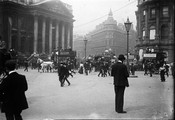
x,y
89,13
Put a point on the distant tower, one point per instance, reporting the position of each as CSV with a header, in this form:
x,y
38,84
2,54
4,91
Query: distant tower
x,y
110,15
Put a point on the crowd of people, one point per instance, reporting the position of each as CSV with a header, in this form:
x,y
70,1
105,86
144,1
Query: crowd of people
x,y
151,67
14,85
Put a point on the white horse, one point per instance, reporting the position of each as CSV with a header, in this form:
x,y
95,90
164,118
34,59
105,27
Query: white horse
x,y
47,66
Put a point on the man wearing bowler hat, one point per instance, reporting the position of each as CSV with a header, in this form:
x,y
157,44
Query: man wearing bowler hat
x,y
120,73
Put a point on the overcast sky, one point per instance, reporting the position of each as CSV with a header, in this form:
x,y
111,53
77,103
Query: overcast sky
x,y
89,13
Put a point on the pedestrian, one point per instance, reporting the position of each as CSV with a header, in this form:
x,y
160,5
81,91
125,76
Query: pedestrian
x,y
81,68
120,73
132,69
63,74
150,68
26,65
145,68
166,69
162,73
60,73
101,72
86,67
66,75
13,89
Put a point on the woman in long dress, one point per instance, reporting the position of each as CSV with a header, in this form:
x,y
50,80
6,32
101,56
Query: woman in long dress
x,y
81,68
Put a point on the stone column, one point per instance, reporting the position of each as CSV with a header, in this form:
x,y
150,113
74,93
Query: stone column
x,y
9,32
63,36
19,34
35,33
57,35
71,36
50,36
43,35
68,36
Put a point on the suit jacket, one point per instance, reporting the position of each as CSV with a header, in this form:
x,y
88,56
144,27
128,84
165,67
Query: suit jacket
x,y
13,88
120,73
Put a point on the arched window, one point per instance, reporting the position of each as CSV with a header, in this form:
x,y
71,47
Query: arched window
x,y
152,33
164,32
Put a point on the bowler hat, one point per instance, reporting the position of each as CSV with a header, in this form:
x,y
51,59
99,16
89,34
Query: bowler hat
x,y
121,57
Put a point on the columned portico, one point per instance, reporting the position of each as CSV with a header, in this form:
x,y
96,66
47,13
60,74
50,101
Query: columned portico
x,y
63,35
40,28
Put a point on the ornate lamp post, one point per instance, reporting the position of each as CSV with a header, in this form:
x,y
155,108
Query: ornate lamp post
x,y
127,26
85,43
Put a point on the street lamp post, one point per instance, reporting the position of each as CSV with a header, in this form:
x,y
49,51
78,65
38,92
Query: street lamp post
x,y
127,26
85,43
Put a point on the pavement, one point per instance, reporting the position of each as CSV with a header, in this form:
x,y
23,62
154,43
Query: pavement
x,y
92,97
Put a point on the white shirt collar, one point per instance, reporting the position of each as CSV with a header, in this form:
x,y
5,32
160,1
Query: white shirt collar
x,y
120,61
11,72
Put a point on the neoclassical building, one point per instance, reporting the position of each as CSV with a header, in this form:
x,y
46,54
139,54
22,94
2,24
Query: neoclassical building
x,y
155,27
38,26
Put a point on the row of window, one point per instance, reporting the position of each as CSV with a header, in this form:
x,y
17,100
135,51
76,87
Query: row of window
x,y
152,32
164,12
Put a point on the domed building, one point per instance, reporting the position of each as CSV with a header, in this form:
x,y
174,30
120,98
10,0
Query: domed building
x,y
110,36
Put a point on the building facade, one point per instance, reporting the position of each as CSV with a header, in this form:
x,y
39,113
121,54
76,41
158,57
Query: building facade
x,y
31,26
155,27
110,36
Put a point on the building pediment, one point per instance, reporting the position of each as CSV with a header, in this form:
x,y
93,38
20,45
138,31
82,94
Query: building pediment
x,y
55,6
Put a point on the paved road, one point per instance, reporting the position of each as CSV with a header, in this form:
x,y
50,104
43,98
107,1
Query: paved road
x,y
92,97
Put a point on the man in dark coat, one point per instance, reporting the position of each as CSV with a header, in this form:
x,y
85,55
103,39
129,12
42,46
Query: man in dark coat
x,y
13,89
63,73
120,73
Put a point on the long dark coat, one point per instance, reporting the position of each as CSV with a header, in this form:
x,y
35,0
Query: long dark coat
x,y
13,88
120,73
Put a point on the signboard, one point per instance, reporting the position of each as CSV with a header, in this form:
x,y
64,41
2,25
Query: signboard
x,y
64,53
67,54
149,55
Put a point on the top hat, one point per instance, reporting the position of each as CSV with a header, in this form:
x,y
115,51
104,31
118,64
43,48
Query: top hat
x,y
121,57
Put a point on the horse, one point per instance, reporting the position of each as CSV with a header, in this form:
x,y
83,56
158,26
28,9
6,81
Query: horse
x,y
47,66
